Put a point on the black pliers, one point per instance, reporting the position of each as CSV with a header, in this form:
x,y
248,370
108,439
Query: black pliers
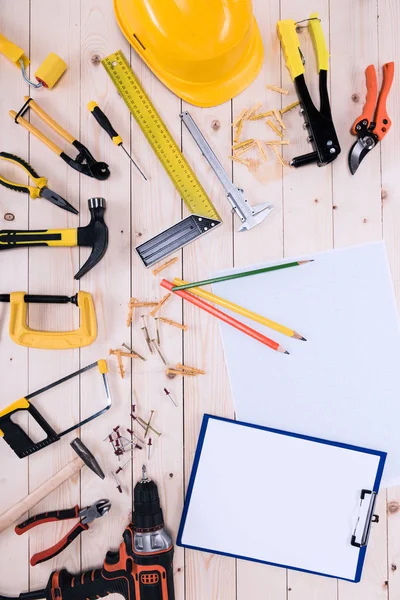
x,y
86,516
40,191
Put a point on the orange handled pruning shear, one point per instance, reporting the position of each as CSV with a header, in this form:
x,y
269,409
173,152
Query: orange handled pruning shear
x,y
374,123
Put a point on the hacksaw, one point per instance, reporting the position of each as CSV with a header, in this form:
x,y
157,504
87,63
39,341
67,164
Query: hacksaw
x,y
167,151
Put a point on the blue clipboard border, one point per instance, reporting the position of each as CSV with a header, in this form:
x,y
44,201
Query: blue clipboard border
x,y
206,418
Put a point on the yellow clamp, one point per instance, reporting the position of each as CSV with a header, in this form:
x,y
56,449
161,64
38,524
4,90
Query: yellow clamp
x,y
23,335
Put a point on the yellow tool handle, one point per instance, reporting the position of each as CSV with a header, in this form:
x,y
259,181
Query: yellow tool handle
x,y
21,404
13,52
29,127
102,365
318,40
41,182
49,121
34,192
290,47
14,238
240,310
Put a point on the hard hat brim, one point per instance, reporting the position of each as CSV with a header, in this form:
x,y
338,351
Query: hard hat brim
x,y
212,93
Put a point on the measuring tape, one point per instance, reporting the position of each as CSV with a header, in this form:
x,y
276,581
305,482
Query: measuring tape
x,y
158,136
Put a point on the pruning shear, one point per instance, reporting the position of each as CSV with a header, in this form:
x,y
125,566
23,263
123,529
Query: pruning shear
x,y
374,123
40,191
86,515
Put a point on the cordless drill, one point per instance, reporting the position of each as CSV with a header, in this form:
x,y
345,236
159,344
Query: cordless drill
x,y
140,570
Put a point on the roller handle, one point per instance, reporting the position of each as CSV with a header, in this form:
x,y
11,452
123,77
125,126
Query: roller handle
x,y
47,517
105,123
17,511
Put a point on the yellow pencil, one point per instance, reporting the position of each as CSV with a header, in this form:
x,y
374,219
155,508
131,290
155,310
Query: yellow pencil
x,y
244,312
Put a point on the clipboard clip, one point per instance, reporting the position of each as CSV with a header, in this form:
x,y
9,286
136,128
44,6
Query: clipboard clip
x,y
370,518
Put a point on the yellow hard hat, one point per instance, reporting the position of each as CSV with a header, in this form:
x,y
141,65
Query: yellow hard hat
x,y
205,51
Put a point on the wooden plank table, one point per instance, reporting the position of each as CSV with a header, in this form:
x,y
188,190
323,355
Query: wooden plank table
x,y
315,209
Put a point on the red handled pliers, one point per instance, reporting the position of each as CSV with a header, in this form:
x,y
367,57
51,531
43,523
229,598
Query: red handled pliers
x,y
374,123
86,516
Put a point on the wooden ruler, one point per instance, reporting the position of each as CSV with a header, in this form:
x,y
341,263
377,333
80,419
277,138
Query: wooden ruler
x,y
158,136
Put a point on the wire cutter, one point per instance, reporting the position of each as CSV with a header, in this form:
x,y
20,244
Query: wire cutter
x,y
86,515
374,123
40,191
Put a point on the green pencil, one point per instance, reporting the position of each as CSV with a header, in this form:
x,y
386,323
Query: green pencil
x,y
297,263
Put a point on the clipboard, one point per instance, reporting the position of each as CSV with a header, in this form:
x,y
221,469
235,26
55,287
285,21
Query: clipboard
x,y
281,498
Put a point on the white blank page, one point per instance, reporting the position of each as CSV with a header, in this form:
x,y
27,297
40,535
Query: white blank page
x,y
344,382
277,498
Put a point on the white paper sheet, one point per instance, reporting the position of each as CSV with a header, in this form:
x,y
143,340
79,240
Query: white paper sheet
x,y
279,499
344,382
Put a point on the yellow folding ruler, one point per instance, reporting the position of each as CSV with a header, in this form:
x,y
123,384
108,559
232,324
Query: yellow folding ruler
x,y
205,217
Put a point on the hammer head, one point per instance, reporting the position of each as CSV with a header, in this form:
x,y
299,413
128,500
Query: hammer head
x,y
94,235
84,453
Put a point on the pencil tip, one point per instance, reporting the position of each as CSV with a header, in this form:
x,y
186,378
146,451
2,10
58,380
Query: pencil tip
x,y
286,352
303,339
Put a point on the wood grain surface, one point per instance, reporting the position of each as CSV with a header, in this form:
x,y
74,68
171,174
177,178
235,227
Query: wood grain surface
x,y
315,209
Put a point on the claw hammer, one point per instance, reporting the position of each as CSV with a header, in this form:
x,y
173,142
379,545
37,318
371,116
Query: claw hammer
x,y
94,235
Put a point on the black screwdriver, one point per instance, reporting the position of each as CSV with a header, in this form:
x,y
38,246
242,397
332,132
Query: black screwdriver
x,y
104,122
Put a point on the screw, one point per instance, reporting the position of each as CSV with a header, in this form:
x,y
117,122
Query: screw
x,y
329,143
332,151
9,217
215,124
96,60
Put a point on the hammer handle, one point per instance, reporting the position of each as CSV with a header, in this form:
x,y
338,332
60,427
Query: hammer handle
x,y
14,238
17,511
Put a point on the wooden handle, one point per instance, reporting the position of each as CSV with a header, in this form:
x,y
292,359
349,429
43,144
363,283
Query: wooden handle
x,y
14,513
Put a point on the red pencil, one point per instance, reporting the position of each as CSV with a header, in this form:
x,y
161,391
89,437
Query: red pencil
x,y
224,317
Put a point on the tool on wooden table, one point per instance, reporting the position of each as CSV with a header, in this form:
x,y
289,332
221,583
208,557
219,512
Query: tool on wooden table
x,y
140,570
84,162
16,437
244,312
374,123
94,235
85,457
47,74
105,123
224,317
249,216
40,190
174,238
241,274
23,335
319,123
85,515
204,217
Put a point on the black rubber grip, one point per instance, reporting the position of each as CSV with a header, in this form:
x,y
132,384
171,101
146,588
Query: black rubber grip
x,y
47,517
20,161
104,122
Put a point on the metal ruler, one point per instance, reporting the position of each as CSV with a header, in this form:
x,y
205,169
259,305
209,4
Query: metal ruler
x,y
158,136
249,216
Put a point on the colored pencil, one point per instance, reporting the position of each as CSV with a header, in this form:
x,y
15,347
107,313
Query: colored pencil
x,y
224,317
187,286
240,310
